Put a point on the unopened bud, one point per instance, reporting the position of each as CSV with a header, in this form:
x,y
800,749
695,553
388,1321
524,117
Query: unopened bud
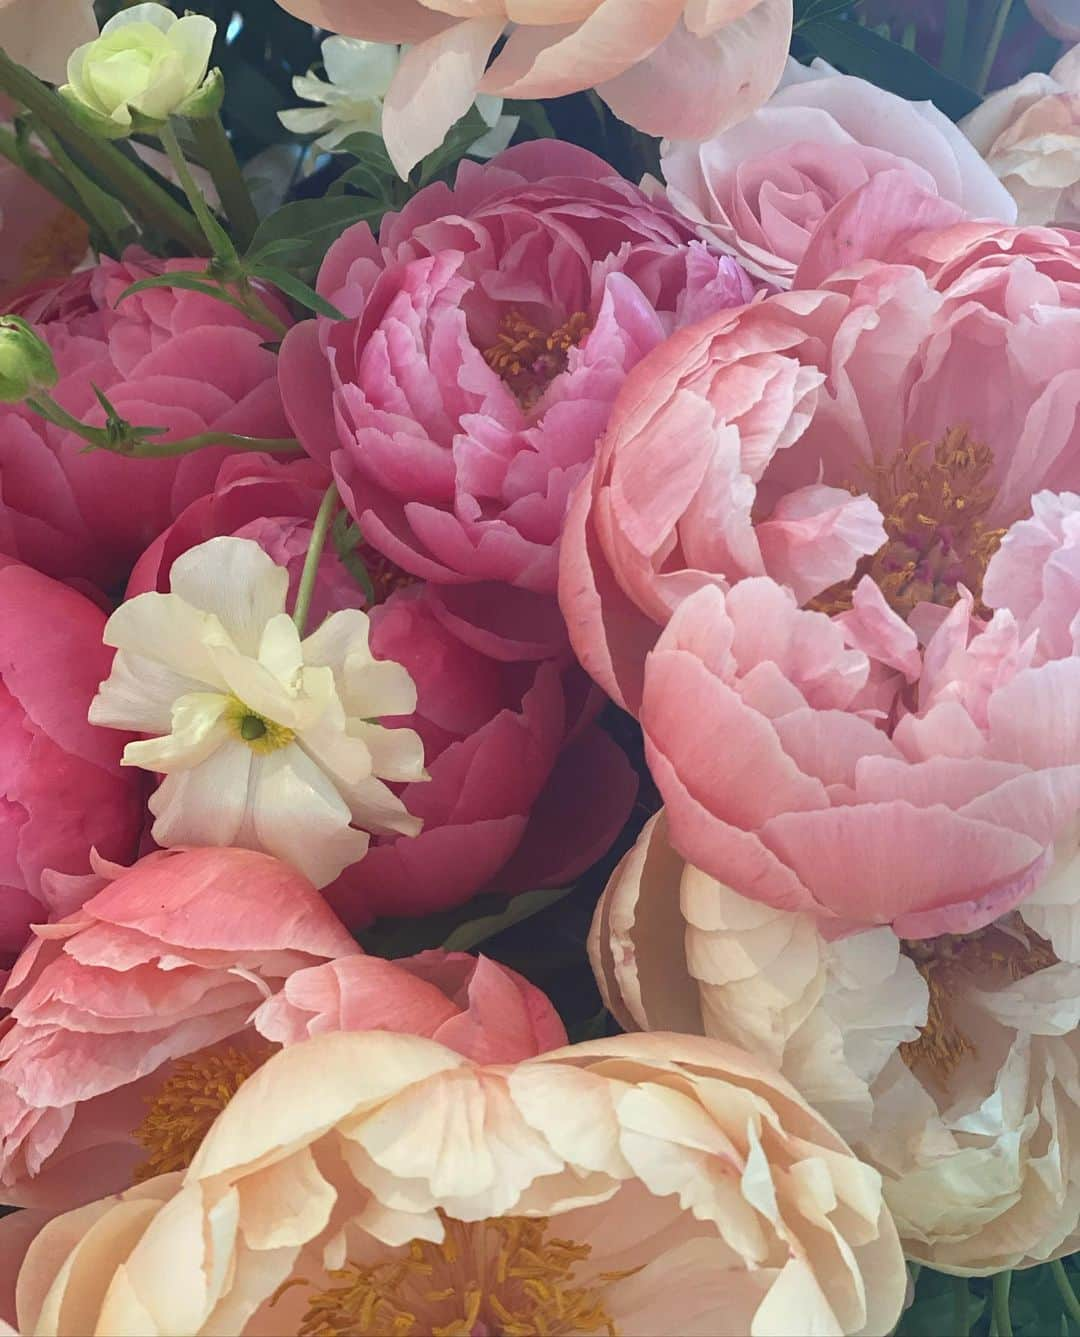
x,y
26,361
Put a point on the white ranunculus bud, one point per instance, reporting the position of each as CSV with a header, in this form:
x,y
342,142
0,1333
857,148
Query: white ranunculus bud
x,y
147,65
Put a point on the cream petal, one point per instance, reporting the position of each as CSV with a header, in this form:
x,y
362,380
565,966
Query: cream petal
x,y
167,630
236,581
208,804
197,732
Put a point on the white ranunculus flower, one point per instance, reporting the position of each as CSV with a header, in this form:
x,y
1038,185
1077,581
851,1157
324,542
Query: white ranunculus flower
x,y
358,77
41,34
950,1064
146,61
266,742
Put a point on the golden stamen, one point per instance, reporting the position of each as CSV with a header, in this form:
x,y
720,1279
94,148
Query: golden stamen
x,y
262,735
527,358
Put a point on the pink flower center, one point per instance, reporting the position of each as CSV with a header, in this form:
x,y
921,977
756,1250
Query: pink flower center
x,y
528,358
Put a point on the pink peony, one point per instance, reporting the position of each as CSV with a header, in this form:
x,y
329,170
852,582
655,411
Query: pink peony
x,y
166,962
889,752
669,67
165,357
759,190
64,792
488,335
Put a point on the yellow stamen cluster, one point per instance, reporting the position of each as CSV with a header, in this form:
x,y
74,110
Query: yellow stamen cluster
x,y
934,502
259,733
1003,952
191,1098
502,1275
527,358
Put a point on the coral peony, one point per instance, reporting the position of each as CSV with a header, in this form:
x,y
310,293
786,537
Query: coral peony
x,y
42,34
145,994
368,1183
64,791
487,337
1029,134
165,357
668,67
39,238
950,1063
759,190
887,753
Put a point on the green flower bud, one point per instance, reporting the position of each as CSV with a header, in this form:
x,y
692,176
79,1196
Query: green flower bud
x,y
26,361
146,66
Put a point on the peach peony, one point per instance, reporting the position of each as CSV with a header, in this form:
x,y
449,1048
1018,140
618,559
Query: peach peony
x,y
860,728
668,67
1029,134
950,1064
377,1183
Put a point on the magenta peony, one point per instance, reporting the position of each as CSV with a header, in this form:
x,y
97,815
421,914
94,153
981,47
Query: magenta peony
x,y
165,357
63,791
899,749
488,334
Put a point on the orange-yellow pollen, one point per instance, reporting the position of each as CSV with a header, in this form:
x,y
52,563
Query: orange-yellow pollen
x,y
527,358
503,1275
191,1098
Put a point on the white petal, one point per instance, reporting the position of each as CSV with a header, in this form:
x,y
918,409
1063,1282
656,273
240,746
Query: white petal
x,y
342,634
397,754
378,687
379,810
156,15
279,649
207,805
139,695
193,39
345,759
307,120
366,69
198,730
236,580
169,630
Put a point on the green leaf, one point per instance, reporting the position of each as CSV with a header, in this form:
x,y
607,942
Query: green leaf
x,y
533,115
176,279
297,289
459,139
863,52
311,226
346,538
370,151
470,935
459,930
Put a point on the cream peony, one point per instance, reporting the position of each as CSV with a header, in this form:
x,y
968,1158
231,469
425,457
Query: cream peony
x,y
377,1184
41,34
951,1064
1029,134
266,742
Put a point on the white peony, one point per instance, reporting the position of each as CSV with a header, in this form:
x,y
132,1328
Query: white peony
x,y
265,741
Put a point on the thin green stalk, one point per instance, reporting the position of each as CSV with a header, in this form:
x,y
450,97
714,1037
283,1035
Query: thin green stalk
x,y
1064,1285
961,1298
269,445
218,158
147,202
314,554
209,224
956,26
993,42
106,215
42,171
1002,1317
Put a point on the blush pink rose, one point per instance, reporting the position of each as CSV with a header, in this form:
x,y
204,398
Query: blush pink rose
x,y
861,728
759,190
668,67
63,791
167,961
165,357
479,1008
487,336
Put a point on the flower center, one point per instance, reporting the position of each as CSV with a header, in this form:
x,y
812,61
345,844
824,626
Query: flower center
x,y
189,1101
56,249
934,502
1001,953
259,733
501,1276
528,359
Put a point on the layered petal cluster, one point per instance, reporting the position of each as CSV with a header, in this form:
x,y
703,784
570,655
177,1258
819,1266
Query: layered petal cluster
x,y
375,1183
487,335
848,731
266,741
170,358
62,785
669,67
759,190
1029,134
950,1064
107,1007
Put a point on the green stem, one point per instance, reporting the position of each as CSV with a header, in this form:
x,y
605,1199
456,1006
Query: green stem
x,y
42,171
956,26
218,157
269,445
147,202
997,32
1064,1285
961,1316
109,219
314,554
210,226
1002,1318
46,407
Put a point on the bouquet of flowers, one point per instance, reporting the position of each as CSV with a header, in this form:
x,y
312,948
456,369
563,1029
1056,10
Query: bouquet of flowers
x,y
540,668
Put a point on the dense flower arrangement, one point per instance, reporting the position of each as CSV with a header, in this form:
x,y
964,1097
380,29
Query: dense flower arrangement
x,y
540,668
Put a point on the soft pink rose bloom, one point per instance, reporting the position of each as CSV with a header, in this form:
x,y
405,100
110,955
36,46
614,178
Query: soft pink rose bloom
x,y
760,189
166,961
900,763
487,336
64,791
668,67
475,1006
1029,134
644,1184
1060,17
165,357
41,34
